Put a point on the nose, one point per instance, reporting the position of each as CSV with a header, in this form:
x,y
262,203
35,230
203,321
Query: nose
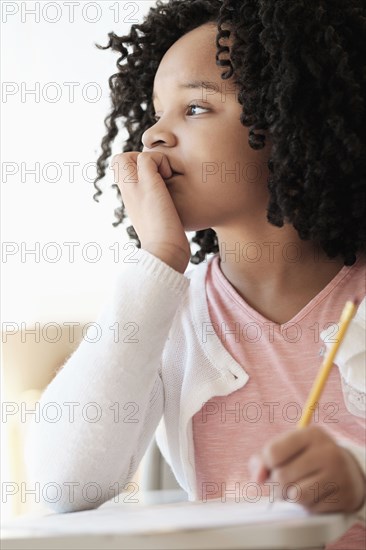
x,y
158,135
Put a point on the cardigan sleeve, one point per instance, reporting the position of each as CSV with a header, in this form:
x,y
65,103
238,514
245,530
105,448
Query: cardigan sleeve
x,y
108,397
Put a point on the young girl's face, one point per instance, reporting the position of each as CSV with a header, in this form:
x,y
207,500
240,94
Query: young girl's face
x,y
221,181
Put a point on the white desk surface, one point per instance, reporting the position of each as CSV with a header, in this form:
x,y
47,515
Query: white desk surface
x,y
70,531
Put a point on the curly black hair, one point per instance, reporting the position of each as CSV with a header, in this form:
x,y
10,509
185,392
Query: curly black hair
x,y
301,75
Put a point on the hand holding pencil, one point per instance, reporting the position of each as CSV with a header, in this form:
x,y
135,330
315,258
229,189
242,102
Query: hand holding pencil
x,y
307,465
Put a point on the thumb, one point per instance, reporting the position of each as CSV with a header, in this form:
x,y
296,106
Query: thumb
x,y
157,162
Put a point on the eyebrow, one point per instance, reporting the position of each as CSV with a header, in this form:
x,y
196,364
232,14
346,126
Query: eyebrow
x,y
195,84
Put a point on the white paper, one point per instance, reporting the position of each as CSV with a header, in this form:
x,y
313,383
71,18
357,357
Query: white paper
x,y
164,518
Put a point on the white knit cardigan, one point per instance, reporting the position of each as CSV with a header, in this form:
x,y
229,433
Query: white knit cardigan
x,y
148,371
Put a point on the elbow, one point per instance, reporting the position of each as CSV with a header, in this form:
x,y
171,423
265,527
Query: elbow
x,y
62,493
64,490
67,506
60,487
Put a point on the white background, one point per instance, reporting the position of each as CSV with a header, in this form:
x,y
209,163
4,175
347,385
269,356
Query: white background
x,y
36,129
55,44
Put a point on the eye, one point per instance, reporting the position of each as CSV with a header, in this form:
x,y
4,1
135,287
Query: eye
x,y
196,106
189,112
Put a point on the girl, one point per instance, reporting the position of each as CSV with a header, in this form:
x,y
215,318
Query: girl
x,y
246,125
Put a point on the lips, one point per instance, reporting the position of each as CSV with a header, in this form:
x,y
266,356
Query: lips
x,y
173,175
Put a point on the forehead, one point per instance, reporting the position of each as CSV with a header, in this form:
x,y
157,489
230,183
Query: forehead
x,y
189,58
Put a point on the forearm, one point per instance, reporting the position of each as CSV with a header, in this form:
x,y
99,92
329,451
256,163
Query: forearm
x,y
104,389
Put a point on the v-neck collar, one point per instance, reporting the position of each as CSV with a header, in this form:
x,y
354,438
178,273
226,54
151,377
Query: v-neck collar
x,y
259,318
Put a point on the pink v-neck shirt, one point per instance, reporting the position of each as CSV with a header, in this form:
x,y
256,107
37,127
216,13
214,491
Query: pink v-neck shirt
x,y
282,362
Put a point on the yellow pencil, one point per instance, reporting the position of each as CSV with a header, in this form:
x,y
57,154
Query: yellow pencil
x,y
348,312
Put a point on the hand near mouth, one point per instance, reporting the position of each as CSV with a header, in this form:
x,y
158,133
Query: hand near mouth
x,y
140,178
173,175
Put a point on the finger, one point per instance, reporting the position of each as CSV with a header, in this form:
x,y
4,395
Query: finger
x,y
122,158
124,168
286,447
156,163
259,472
302,466
316,493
